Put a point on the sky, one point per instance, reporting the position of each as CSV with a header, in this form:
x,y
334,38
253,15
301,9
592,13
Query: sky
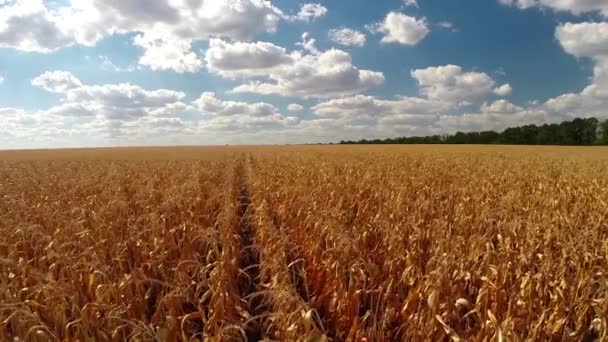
x,y
87,73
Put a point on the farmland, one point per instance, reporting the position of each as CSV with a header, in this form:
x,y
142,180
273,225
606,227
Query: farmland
x,y
317,243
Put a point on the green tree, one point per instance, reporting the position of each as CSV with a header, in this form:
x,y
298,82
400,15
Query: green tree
x,y
604,133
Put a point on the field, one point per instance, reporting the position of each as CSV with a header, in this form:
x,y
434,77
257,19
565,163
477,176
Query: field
x,y
305,243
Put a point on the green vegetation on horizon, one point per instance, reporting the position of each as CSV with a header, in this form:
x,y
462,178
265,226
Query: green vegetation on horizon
x,y
576,132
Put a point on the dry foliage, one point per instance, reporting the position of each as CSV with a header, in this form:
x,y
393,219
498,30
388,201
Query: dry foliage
x,y
304,244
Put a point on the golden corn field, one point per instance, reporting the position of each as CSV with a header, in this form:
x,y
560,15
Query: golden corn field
x,y
306,243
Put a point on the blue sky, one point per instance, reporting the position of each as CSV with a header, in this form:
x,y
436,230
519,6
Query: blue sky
x,y
98,73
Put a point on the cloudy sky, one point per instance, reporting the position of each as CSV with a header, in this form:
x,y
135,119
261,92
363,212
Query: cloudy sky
x,y
165,72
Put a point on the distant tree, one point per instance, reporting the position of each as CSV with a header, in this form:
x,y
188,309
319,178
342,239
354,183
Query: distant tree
x,y
488,137
576,132
458,138
511,136
604,133
583,131
548,135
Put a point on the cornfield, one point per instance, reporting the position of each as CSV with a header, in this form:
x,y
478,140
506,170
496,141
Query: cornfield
x,y
304,243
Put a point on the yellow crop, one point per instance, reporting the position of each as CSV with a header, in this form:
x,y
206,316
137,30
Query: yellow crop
x,y
307,243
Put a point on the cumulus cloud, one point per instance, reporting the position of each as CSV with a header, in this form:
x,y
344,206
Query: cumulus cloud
x,y
309,12
444,89
585,40
328,74
166,27
410,3
248,124
369,106
318,74
15,123
167,53
57,81
347,37
27,25
411,121
503,90
13,115
209,103
166,30
451,84
294,107
125,112
500,107
235,115
309,44
576,7
401,28
122,102
72,109
244,59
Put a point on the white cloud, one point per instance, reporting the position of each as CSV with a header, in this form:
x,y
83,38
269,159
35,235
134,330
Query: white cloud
x,y
265,68
308,43
115,114
27,25
523,4
239,116
248,124
500,107
410,3
371,107
167,53
107,64
407,120
57,81
72,109
446,25
1,79
309,12
294,107
145,127
245,59
187,19
9,114
210,104
35,26
121,102
450,84
576,7
346,36
584,39
16,123
503,90
328,74
401,28
319,74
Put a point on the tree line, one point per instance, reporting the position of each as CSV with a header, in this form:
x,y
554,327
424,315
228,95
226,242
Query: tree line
x,y
584,132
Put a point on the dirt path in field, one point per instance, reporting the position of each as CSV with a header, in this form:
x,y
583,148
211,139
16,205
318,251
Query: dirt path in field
x,y
249,259
293,258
